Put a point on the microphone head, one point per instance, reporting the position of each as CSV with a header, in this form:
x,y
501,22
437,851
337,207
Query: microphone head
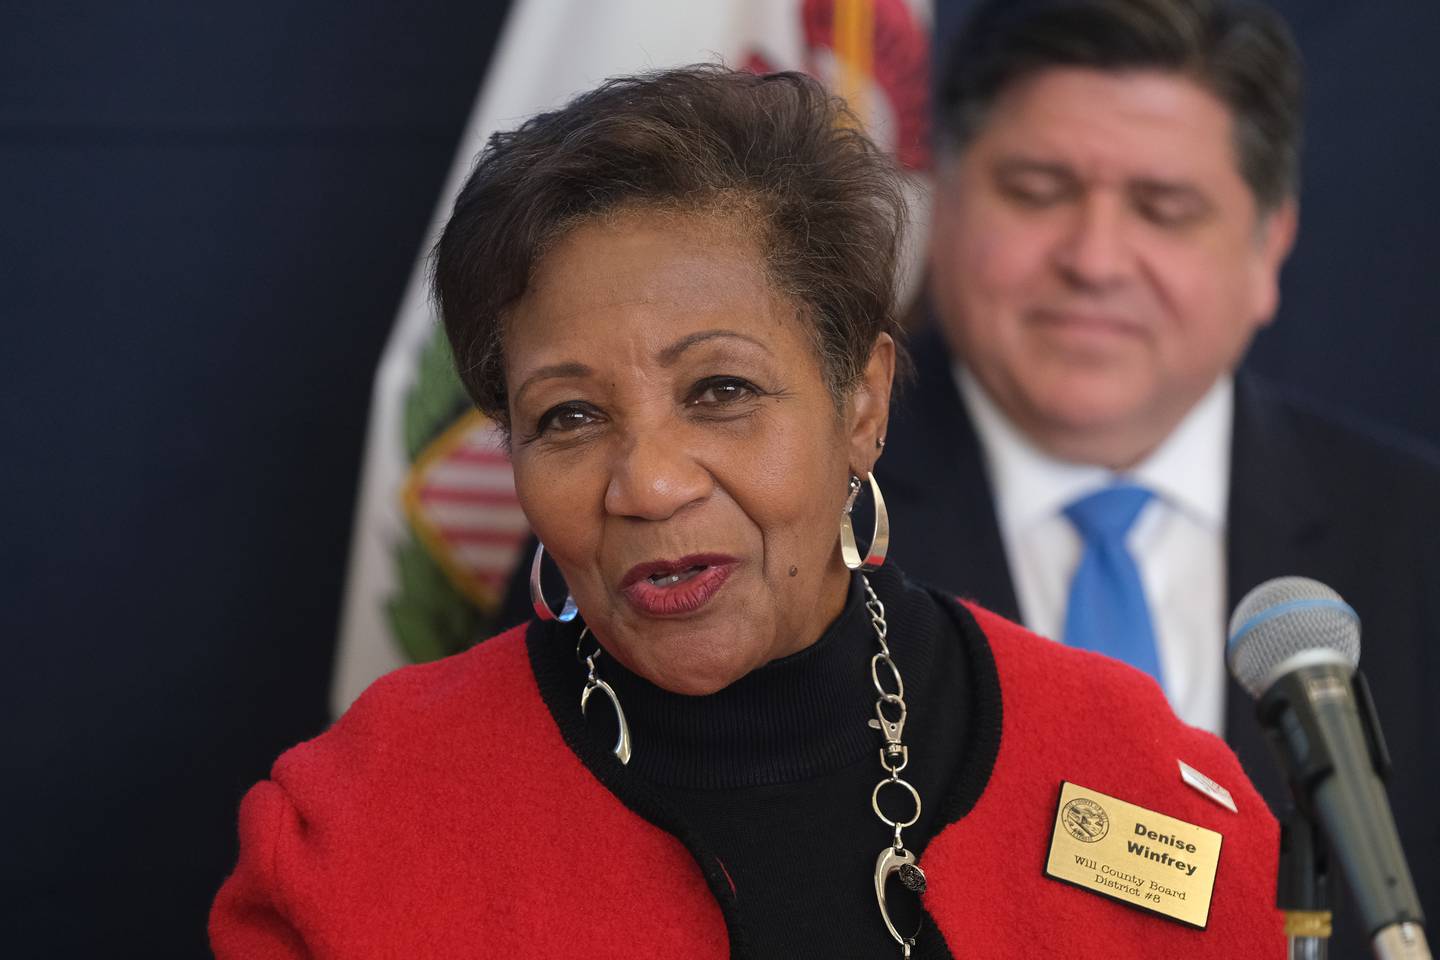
x,y
1286,623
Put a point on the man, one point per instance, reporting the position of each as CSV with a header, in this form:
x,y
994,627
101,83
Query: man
x,y
1115,198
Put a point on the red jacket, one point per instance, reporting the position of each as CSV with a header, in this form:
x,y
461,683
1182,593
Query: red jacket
x,y
445,816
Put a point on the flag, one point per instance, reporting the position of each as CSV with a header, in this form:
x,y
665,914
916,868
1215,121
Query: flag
x,y
438,529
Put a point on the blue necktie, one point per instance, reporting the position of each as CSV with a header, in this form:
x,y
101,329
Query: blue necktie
x,y
1107,611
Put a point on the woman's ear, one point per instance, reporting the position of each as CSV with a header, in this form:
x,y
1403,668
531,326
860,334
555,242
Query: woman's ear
x,y
869,414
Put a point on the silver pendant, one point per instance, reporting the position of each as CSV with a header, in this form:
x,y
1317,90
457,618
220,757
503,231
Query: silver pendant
x,y
893,862
622,742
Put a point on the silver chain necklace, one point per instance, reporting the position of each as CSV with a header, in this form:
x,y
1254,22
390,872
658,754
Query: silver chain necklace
x,y
894,860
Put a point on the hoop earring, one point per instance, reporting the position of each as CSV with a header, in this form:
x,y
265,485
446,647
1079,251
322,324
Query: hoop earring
x,y
537,595
879,537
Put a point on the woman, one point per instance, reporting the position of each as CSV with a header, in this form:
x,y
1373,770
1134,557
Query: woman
x,y
675,294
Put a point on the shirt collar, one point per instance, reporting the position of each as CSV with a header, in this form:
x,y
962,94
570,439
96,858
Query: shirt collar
x,y
1190,470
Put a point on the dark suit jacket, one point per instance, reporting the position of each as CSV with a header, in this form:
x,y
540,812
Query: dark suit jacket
x,y
1308,496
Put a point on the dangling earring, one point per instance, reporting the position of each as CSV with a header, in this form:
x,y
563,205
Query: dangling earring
x,y
537,595
879,538
593,683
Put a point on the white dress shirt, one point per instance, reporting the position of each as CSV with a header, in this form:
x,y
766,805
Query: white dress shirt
x,y
1178,541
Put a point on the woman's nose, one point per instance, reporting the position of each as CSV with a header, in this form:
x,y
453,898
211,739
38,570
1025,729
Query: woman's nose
x,y
653,478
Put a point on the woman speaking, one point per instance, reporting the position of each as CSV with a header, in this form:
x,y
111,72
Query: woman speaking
x,y
739,732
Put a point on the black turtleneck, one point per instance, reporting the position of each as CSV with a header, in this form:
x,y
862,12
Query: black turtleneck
x,y
769,780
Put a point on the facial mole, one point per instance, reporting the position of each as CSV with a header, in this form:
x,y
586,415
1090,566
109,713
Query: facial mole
x,y
794,571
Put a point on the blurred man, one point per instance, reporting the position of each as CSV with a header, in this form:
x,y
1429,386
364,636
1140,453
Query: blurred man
x,y
1116,197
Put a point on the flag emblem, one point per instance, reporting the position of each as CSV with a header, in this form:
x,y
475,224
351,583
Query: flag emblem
x,y
460,499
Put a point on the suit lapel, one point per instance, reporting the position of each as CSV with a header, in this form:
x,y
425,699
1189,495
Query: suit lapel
x,y
1276,514
1276,519
933,476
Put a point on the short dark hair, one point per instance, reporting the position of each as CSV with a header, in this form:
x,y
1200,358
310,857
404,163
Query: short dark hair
x,y
1242,52
775,150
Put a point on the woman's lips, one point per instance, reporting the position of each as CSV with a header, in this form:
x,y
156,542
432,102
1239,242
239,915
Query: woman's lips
x,y
672,588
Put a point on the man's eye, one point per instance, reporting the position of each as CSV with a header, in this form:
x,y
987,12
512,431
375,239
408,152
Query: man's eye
x,y
1034,189
1171,208
719,391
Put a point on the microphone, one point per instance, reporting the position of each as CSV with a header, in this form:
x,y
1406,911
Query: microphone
x,y
1294,646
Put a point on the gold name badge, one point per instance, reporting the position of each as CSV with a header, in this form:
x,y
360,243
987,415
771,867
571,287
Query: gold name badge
x,y
1134,855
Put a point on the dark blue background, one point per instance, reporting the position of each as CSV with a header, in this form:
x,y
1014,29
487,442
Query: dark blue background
x,y
210,212
209,215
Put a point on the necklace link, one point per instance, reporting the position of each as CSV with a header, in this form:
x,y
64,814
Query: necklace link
x,y
897,824
884,658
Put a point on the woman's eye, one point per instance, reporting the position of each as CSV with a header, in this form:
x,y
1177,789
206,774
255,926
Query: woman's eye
x,y
564,418
719,391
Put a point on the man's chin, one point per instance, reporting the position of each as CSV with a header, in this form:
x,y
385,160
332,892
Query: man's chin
x,y
1084,404
1093,427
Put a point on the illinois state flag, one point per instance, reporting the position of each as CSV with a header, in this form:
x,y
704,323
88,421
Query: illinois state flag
x,y
438,529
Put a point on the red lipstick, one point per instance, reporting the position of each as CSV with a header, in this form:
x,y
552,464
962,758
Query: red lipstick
x,y
674,588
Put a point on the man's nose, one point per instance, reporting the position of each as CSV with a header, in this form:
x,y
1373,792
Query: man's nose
x,y
1094,252
653,478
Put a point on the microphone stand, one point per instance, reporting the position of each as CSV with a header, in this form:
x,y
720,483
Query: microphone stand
x,y
1304,888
